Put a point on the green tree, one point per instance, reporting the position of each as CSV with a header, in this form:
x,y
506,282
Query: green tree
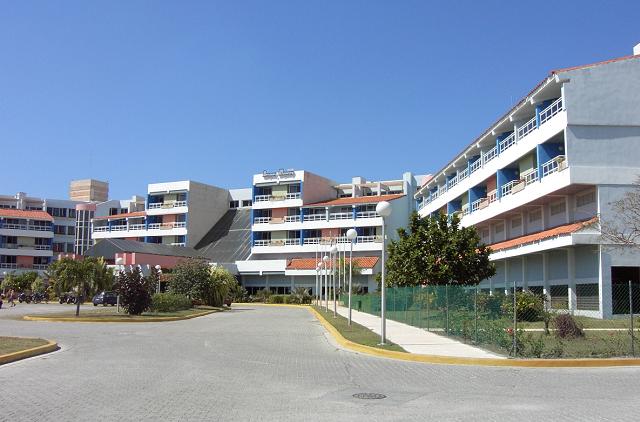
x,y
189,276
217,287
135,291
38,285
437,251
72,275
101,277
23,281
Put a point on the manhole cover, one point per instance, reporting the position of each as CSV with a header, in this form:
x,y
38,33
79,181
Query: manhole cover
x,y
369,396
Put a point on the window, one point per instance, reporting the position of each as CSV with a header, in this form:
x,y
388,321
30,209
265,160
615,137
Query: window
x,y
585,199
113,211
72,213
587,297
71,230
234,204
57,212
12,239
499,228
535,216
516,222
557,208
293,188
59,229
58,247
246,203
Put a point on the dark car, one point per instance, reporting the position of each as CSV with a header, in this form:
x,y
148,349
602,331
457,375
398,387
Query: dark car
x,y
105,298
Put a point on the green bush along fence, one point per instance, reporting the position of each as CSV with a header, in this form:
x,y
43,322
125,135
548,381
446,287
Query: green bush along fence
x,y
539,328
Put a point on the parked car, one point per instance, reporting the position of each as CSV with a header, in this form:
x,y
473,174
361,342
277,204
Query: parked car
x,y
105,298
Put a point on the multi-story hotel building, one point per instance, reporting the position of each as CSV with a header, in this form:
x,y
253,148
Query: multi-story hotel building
x,y
296,215
26,235
174,213
536,181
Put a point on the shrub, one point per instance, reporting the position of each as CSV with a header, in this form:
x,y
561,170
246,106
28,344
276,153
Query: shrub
x,y
299,296
276,299
529,306
135,291
567,327
38,286
169,302
263,295
491,305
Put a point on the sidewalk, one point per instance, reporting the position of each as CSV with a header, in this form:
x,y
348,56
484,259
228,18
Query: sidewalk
x,y
417,340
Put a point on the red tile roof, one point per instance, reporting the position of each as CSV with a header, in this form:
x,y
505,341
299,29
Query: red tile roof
x,y
364,262
617,59
124,215
544,234
31,215
358,200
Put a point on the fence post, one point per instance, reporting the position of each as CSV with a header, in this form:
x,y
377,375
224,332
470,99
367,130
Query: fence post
x,y
515,322
475,314
406,305
446,293
633,346
428,321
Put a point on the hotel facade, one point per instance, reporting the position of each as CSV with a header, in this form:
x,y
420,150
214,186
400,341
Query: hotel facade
x,y
298,215
536,184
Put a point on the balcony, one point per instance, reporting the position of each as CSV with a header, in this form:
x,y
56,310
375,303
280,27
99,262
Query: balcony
x,y
315,217
284,197
554,165
341,216
292,219
167,205
261,220
367,214
138,227
25,227
28,247
40,267
278,242
179,244
485,157
167,226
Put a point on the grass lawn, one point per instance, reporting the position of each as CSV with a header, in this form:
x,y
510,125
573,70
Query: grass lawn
x,y
601,344
111,312
15,344
356,333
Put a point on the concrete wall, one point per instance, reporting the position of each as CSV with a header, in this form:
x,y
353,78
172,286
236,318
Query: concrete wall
x,y
317,188
207,204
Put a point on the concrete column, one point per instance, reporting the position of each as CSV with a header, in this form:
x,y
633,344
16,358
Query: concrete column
x,y
506,276
525,283
571,275
293,283
545,277
543,215
604,283
326,211
568,208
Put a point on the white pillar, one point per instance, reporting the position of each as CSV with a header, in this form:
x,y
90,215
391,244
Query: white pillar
x,y
545,277
604,283
525,282
571,276
506,276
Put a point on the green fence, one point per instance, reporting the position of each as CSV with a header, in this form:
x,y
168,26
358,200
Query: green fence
x,y
540,326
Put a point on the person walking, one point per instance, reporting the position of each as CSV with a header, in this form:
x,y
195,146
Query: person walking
x,y
11,298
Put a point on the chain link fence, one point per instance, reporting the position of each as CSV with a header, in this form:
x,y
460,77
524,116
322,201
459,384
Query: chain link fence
x,y
529,324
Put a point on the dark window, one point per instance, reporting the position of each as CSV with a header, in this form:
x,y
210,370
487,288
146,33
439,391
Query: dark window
x,y
233,204
246,203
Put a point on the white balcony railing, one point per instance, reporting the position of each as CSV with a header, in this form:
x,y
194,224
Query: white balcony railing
x,y
261,220
340,216
315,217
280,197
527,128
170,204
506,188
465,209
529,176
509,141
179,244
97,229
292,219
31,247
545,115
26,227
554,165
552,110
475,205
367,214
24,266
261,198
137,227
119,228
167,226
492,196
296,195
368,239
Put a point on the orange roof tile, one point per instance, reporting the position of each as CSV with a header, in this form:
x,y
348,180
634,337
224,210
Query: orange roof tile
x,y
358,200
123,215
365,262
617,59
544,234
31,215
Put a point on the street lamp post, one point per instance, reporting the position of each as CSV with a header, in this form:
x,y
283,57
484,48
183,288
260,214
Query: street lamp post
x,y
384,210
351,235
120,264
334,252
318,283
325,260
159,273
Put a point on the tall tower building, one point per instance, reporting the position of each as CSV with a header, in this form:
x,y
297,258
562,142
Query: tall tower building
x,y
88,190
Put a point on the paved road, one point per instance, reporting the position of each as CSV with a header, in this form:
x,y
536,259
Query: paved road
x,y
275,364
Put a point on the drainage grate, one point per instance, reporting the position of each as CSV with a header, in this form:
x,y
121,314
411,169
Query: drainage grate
x,y
369,396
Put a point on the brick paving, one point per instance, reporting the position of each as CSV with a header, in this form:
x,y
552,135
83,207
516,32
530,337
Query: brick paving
x,y
276,364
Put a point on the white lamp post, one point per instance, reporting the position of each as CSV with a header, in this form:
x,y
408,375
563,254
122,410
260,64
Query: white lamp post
x,y
325,260
384,210
120,264
334,251
318,269
351,235
159,272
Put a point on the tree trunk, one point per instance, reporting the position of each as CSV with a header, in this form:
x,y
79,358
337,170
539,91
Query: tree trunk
x,y
78,302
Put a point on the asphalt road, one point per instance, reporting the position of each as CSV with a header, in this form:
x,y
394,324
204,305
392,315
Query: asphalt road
x,y
276,364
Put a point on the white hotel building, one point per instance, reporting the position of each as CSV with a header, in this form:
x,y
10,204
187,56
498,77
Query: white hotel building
x,y
535,183
297,214
174,213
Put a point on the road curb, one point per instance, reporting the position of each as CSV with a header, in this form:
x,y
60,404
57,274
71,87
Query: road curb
x,y
116,320
51,346
449,360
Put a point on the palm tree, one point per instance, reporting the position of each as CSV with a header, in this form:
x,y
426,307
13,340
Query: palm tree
x,y
75,275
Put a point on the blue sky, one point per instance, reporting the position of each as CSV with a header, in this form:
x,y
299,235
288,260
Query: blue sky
x,y
135,92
